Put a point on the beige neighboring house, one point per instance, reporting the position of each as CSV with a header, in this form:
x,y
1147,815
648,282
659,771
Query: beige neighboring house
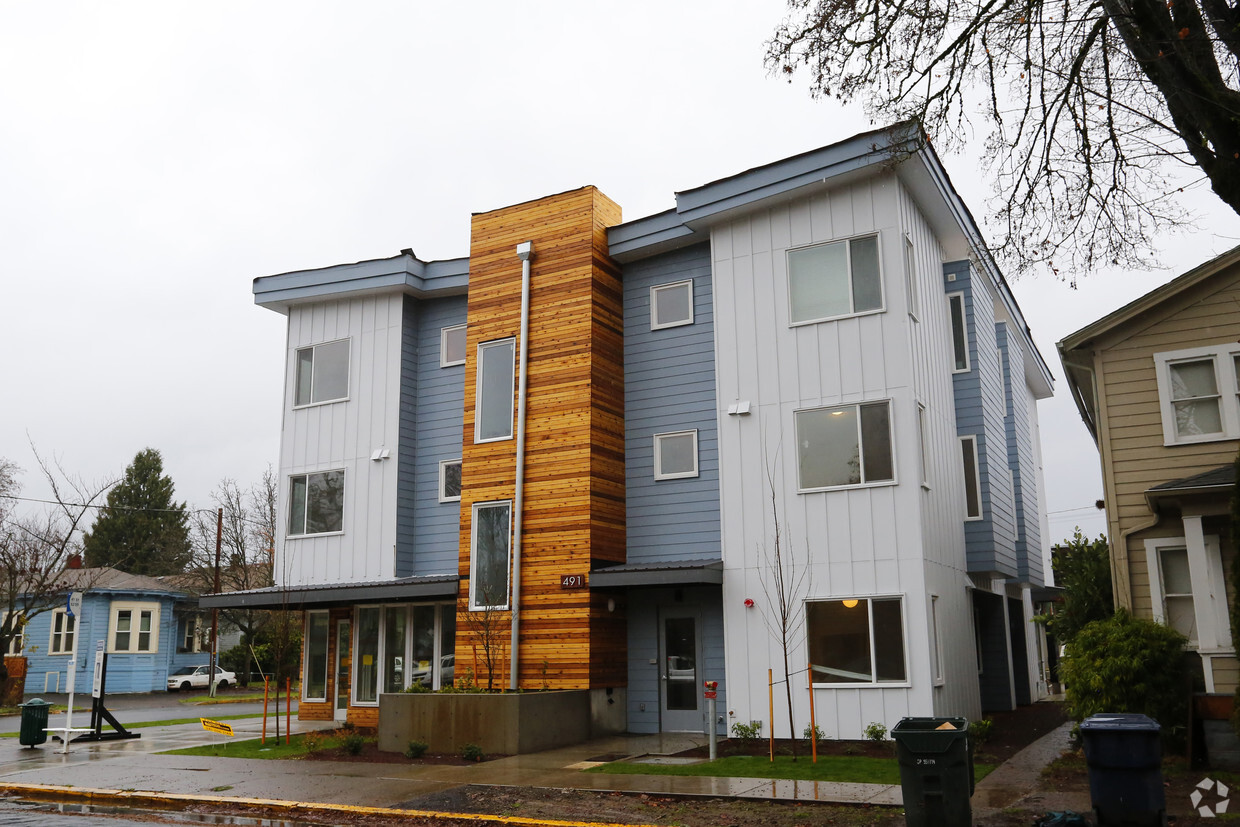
x,y
1158,385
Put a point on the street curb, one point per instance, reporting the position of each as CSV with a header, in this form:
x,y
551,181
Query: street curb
x,y
178,801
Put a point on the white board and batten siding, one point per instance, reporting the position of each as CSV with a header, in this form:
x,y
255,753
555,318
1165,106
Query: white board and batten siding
x,y
343,436
901,539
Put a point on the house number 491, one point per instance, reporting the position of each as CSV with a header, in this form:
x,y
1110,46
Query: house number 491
x,y
572,581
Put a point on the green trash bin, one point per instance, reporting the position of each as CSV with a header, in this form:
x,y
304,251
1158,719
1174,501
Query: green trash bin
x,y
34,722
936,771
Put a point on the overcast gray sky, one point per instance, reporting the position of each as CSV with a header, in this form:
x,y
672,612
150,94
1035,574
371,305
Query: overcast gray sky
x,y
155,157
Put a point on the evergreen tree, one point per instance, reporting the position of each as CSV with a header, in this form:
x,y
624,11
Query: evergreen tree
x,y
142,529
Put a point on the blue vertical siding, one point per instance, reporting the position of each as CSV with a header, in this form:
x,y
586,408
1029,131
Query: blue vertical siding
x,y
440,416
990,543
669,385
407,442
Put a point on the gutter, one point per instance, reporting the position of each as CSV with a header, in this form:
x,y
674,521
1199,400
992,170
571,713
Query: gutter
x,y
525,252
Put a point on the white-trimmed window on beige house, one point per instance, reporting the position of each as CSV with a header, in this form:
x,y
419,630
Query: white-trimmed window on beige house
x,y
1188,590
133,628
1199,393
64,626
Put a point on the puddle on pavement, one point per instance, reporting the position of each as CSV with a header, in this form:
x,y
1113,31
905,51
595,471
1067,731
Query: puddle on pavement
x,y
174,816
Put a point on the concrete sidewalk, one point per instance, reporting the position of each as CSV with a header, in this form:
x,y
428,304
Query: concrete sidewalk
x,y
133,766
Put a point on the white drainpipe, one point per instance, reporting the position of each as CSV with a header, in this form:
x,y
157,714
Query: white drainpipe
x,y
525,251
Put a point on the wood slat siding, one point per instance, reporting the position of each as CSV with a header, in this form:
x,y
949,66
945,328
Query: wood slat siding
x,y
670,386
574,475
1134,458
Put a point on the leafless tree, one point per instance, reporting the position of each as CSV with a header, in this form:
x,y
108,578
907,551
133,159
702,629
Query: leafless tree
x,y
784,584
247,541
36,546
487,627
1088,105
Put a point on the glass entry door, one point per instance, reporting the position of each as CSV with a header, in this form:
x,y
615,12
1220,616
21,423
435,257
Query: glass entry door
x,y
344,662
680,681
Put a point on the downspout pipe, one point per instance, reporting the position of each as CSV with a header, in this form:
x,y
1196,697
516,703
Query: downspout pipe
x,y
525,252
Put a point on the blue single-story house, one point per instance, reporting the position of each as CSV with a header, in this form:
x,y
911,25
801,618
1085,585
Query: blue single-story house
x,y
148,628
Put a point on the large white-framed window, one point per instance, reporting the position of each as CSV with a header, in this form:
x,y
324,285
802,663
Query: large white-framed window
x,y
671,305
314,669
316,503
490,556
452,345
64,626
960,333
450,481
322,373
844,445
972,478
494,405
856,640
910,279
836,279
1183,585
366,631
675,455
1199,393
134,628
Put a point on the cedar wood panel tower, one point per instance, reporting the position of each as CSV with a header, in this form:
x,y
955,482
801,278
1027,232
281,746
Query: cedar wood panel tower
x,y
574,520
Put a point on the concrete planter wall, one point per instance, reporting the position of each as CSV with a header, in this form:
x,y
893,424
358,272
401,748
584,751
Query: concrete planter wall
x,y
502,724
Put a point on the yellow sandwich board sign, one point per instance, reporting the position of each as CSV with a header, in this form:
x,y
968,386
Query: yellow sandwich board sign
x,y
216,726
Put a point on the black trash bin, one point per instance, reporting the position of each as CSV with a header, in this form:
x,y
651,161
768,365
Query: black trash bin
x,y
34,722
936,771
1124,755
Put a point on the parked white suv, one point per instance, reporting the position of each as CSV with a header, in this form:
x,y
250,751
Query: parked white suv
x,y
198,677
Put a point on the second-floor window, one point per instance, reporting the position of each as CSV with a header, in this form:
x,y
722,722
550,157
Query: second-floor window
x,y
322,373
671,305
135,627
316,503
452,346
1199,393
494,405
675,455
827,281
972,478
450,481
844,445
960,333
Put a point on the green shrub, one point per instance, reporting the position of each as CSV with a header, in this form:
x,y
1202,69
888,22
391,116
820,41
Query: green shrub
x,y
980,730
353,743
417,688
876,732
313,741
813,735
416,749
746,733
472,752
1123,664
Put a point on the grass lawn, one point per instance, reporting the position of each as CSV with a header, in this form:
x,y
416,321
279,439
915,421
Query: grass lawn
x,y
839,768
254,748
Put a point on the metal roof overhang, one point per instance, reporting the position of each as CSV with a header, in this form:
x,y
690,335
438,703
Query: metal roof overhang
x,y
679,573
300,597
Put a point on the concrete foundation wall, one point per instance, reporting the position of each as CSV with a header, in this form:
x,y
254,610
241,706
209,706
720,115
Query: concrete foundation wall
x,y
500,724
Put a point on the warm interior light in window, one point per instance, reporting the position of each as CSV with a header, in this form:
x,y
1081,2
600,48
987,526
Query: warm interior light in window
x,y
837,413
850,604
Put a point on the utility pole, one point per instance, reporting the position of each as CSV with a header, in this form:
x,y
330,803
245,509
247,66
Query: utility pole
x,y
215,613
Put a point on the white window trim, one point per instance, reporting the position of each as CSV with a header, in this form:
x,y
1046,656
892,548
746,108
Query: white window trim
x,y
327,655
479,401
193,630
292,536
924,453
910,279
443,346
1205,571
355,656
474,606
882,292
870,598
971,439
891,438
348,379
936,641
443,498
951,328
1225,382
19,639
654,304
51,632
136,608
658,465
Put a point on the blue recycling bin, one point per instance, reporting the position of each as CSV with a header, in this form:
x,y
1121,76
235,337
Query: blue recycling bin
x,y
1124,753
